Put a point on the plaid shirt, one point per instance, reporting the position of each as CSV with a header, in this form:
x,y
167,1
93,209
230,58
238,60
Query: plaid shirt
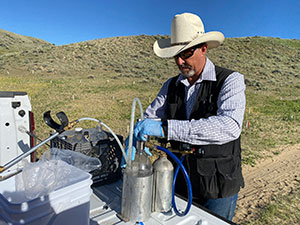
x,y
226,126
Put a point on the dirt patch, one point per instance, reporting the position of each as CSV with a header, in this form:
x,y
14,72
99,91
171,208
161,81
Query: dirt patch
x,y
270,177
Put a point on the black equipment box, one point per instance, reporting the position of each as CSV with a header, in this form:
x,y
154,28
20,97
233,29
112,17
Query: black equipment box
x,y
94,142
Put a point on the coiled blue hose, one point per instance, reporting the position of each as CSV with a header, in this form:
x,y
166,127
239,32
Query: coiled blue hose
x,y
186,177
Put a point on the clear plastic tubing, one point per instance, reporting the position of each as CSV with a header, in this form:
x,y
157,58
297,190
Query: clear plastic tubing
x,y
128,162
110,130
127,159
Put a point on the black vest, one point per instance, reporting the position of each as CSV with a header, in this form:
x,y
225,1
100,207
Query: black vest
x,y
215,170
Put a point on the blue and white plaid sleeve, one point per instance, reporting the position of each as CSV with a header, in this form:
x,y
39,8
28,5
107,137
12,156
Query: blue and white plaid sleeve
x,y
226,126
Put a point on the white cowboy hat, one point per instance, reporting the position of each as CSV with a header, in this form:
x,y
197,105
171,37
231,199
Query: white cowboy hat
x,y
187,30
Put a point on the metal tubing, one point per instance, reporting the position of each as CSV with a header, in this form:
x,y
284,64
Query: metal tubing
x,y
25,154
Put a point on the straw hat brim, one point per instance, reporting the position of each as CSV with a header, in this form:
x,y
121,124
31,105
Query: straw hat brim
x,y
162,48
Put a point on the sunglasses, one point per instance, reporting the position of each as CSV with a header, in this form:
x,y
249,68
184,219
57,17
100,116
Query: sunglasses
x,y
188,53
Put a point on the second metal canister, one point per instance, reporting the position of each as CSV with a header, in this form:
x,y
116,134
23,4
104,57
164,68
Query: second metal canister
x,y
162,185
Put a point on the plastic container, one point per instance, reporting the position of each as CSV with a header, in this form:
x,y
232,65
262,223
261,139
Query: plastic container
x,y
67,205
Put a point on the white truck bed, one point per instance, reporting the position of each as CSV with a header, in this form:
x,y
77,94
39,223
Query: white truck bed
x,y
105,205
105,202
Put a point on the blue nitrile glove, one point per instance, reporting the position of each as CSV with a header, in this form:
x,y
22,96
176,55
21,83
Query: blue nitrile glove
x,y
146,149
148,127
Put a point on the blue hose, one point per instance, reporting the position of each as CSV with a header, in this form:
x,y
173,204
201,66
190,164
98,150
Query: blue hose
x,y
186,177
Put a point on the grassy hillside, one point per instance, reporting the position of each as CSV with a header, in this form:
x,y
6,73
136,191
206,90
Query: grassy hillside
x,y
11,42
100,78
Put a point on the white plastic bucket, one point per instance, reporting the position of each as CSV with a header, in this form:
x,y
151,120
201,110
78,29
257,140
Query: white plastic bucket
x,y
67,205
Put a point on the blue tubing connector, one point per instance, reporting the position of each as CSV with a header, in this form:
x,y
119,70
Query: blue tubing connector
x,y
187,179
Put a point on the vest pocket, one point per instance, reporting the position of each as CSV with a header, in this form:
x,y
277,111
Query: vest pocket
x,y
229,175
208,183
219,177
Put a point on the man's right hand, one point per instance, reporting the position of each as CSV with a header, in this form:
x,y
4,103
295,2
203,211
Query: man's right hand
x,y
148,127
133,150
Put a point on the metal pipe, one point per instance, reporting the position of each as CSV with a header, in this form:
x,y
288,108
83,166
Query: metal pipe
x,y
8,175
25,154
24,130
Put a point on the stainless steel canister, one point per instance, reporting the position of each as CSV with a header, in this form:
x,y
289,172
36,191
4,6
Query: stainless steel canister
x,y
137,189
162,185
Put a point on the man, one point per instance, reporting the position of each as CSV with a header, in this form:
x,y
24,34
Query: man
x,y
201,110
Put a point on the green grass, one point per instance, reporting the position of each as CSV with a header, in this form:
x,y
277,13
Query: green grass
x,y
284,211
269,122
124,68
100,79
273,120
294,43
80,97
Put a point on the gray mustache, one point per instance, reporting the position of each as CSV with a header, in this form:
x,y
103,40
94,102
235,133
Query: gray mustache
x,y
185,66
